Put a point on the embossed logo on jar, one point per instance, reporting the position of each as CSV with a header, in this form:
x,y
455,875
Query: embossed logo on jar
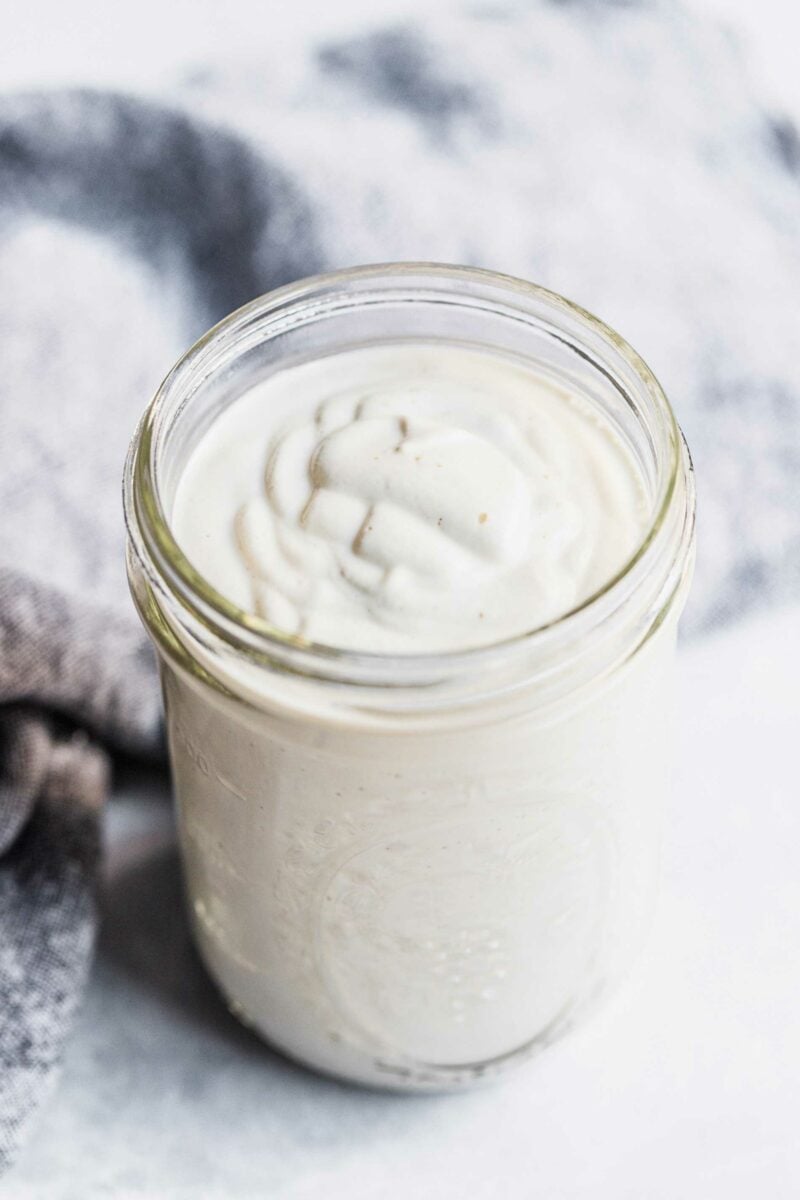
x,y
461,942
203,763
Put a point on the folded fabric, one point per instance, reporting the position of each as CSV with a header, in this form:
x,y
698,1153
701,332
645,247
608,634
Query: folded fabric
x,y
610,152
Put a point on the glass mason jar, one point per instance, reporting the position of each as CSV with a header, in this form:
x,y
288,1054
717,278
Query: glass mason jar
x,y
415,871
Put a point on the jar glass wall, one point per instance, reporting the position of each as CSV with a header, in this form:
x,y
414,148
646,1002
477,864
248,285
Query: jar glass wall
x,y
415,870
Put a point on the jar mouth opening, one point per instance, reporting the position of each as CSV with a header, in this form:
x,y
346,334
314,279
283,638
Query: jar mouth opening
x,y
170,570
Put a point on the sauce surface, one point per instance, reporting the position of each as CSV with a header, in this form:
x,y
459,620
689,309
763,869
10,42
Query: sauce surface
x,y
409,498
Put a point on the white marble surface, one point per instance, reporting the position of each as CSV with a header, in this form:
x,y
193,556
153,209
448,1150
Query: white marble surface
x,y
685,1085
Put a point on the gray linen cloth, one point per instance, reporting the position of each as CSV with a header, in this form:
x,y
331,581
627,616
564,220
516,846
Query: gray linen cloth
x,y
611,151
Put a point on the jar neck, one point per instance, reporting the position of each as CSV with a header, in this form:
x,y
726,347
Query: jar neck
x,y
244,655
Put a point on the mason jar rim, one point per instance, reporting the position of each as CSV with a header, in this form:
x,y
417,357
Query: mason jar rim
x,y
170,570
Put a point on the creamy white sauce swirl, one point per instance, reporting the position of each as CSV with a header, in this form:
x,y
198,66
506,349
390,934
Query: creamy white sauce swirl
x,y
409,498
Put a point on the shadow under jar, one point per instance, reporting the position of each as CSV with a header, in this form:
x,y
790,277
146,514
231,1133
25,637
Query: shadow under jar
x,y
414,871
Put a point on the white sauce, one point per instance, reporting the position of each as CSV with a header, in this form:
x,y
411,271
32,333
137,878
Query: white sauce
x,y
406,903
409,498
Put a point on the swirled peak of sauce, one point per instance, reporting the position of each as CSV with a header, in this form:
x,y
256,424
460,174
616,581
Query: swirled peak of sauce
x,y
409,498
